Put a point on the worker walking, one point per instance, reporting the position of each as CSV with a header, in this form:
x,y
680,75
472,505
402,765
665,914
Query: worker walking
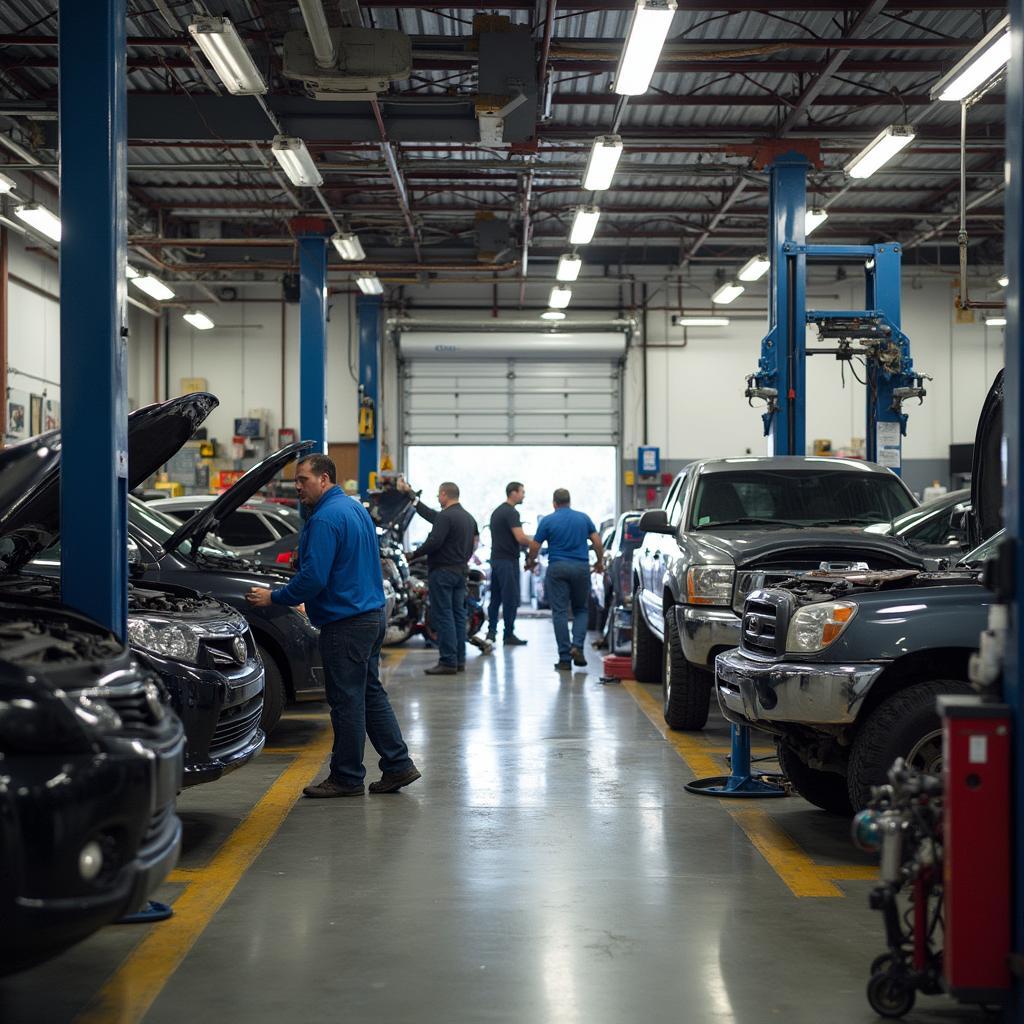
x,y
507,537
447,550
339,582
568,580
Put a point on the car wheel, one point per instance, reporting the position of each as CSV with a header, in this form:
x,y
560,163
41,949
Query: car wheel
x,y
273,691
686,689
904,725
645,650
826,790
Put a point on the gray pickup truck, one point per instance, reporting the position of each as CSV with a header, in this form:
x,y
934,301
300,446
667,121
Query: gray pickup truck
x,y
729,527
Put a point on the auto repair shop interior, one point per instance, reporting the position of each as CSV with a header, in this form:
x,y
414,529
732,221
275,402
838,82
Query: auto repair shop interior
x,y
743,279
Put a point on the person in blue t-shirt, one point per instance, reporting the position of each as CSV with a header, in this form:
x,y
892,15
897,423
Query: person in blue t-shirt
x,y
340,583
567,580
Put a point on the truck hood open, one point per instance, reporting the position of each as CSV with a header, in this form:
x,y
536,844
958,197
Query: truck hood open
x,y
986,516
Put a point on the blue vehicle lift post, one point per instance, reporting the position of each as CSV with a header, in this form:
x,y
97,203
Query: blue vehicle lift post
x,y
368,308
313,334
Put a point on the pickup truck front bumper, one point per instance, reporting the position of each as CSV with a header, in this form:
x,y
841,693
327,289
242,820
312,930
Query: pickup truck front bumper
x,y
751,692
702,631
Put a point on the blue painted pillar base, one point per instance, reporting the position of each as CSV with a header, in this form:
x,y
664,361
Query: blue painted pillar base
x,y
368,309
313,339
739,782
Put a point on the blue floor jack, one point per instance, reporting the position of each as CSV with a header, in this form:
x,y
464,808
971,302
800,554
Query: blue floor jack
x,y
739,782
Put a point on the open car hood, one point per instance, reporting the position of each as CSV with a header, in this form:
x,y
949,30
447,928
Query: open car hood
x,y
30,473
393,510
206,520
987,468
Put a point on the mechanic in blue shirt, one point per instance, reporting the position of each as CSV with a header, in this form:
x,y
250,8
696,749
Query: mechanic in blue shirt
x,y
567,580
339,581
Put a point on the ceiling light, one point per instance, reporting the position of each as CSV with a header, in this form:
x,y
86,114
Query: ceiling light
x,y
130,272
754,269
200,321
604,157
700,321
153,287
369,284
560,297
584,224
977,67
224,49
7,184
814,219
552,314
1003,281
647,31
348,245
727,293
569,267
295,160
995,321
880,150
40,218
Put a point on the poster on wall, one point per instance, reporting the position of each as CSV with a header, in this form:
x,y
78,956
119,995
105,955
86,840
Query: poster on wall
x,y
51,414
35,418
16,423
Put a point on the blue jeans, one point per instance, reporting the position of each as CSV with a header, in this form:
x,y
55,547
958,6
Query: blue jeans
x,y
504,594
568,586
448,614
350,649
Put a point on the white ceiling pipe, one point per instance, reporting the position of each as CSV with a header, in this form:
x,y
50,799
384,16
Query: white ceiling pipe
x,y
320,35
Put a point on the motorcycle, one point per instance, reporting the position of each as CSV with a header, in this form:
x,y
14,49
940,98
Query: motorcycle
x,y
476,617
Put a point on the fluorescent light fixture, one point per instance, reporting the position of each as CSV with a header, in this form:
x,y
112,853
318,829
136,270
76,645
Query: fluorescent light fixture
x,y
295,160
880,150
754,269
647,31
6,185
814,219
220,42
977,67
995,321
369,284
569,267
604,158
1003,281
200,321
153,287
700,321
40,218
130,272
584,224
560,297
552,314
348,245
727,293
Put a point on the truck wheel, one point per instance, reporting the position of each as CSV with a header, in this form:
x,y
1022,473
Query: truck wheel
x,y
826,790
273,691
646,650
904,725
686,689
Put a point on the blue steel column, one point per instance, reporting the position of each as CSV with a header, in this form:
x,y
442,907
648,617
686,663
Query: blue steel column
x,y
368,308
94,404
882,292
313,339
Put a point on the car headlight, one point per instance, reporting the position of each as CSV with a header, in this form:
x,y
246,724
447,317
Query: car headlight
x,y
816,626
168,639
710,584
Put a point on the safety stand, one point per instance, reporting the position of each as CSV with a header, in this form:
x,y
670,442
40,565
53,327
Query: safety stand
x,y
739,782
149,914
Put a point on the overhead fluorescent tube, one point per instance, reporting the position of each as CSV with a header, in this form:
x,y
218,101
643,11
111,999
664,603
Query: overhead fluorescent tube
x,y
584,224
224,49
6,184
647,31
348,245
754,269
295,161
40,218
727,293
885,145
604,158
560,297
1003,281
569,267
200,321
552,314
995,321
369,284
977,67
700,321
814,219
153,287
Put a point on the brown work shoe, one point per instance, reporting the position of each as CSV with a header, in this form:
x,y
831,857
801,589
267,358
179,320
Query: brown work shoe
x,y
391,782
440,669
331,787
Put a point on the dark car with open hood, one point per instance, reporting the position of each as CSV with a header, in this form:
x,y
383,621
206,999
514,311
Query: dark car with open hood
x,y
91,761
202,650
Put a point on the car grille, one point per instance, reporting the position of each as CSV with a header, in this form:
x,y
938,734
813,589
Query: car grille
x,y
765,624
219,652
139,704
236,727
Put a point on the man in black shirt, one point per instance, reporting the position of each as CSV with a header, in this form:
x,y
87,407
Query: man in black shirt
x,y
447,551
506,537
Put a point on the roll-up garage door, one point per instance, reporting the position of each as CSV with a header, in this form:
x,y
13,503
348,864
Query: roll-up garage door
x,y
511,389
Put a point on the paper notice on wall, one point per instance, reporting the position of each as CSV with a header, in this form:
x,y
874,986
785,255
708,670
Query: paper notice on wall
x,y
888,445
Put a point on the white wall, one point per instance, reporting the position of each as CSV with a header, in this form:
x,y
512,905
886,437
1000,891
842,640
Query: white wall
x,y
33,324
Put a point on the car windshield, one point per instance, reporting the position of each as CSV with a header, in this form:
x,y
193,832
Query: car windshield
x,y
161,527
983,552
811,497
909,521
285,518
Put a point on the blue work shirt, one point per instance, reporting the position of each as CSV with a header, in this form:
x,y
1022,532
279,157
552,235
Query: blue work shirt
x,y
339,562
567,533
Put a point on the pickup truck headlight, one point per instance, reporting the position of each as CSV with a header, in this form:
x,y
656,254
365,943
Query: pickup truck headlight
x,y
816,626
710,584
168,639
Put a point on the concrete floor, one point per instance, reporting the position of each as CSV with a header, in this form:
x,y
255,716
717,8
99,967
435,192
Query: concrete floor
x,y
549,867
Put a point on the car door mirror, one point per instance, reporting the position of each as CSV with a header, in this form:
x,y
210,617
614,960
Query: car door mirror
x,y
655,520
136,563
958,523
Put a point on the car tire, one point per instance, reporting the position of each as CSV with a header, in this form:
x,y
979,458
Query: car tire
x,y
686,689
645,649
827,790
274,694
904,724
